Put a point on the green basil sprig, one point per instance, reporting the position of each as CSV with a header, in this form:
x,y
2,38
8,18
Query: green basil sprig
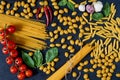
x,y
51,54
69,4
28,60
106,9
97,16
62,3
38,58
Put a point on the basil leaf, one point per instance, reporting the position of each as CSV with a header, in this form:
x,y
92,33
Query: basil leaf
x,y
28,60
62,3
38,58
97,16
51,54
106,9
70,6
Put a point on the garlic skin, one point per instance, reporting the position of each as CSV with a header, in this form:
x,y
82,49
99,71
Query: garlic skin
x,y
98,6
81,7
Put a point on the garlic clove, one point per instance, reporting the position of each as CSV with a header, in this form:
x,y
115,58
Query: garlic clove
x,y
90,9
81,7
98,6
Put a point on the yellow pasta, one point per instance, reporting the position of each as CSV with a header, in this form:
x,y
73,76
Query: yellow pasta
x,y
26,32
117,44
110,48
113,14
108,41
101,35
84,2
109,17
91,30
93,33
106,51
85,18
92,23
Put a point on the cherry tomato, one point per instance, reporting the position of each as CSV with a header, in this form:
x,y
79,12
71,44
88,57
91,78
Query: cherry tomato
x,y
11,29
18,61
11,45
28,73
21,76
14,53
5,50
13,69
23,68
3,41
9,60
2,32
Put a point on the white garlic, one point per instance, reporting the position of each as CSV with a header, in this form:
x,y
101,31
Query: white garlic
x,y
81,7
98,6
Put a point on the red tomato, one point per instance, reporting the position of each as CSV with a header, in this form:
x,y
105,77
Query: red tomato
x,y
14,53
28,73
2,32
13,69
9,60
11,45
5,50
21,76
23,68
3,41
18,61
11,29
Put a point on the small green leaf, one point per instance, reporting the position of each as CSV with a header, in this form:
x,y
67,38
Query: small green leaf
x,y
62,3
70,6
38,58
51,54
97,16
28,60
106,9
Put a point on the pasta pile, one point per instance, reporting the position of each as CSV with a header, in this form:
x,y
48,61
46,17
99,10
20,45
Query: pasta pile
x,y
29,34
108,27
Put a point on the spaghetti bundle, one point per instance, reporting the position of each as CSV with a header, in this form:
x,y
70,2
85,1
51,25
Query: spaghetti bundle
x,y
29,34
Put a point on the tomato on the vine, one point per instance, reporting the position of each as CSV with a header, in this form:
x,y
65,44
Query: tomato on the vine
x,y
23,68
14,53
4,41
21,76
28,73
2,32
11,29
18,61
11,45
9,60
5,50
13,69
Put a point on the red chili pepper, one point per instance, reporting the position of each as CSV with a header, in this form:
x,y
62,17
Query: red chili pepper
x,y
37,14
47,15
50,12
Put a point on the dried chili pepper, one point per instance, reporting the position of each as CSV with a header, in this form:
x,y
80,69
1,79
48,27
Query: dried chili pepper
x,y
47,15
37,14
50,12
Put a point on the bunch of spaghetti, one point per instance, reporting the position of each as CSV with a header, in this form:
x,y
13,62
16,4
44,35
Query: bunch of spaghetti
x,y
30,35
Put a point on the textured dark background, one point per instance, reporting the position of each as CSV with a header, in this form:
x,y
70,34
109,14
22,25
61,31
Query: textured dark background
x,y
39,75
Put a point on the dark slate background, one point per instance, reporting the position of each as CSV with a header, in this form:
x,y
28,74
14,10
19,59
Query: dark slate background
x,y
39,75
